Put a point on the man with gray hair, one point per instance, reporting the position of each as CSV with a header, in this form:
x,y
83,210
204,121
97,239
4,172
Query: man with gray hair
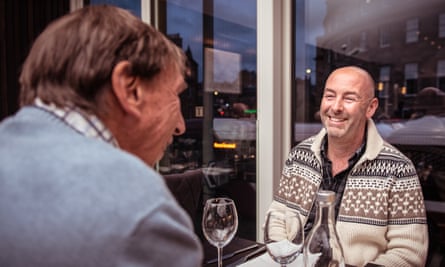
x,y
99,105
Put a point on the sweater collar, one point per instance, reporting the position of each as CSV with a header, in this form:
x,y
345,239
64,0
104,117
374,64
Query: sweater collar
x,y
374,142
88,125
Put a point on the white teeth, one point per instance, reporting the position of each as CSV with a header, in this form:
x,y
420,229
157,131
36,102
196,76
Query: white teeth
x,y
336,120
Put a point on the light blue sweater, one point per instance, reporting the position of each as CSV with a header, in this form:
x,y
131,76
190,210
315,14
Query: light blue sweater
x,y
68,200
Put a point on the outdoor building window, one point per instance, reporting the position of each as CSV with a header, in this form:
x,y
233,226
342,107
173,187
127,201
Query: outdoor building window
x,y
384,37
441,74
411,75
442,25
363,41
412,30
385,73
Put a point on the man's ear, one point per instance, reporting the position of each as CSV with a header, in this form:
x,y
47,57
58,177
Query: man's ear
x,y
372,107
125,87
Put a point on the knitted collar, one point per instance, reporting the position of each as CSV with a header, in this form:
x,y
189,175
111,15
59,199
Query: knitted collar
x,y
87,125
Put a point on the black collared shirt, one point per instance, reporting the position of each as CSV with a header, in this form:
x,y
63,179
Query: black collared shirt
x,y
335,183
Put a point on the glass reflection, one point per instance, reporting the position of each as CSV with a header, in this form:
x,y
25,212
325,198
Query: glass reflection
x,y
403,46
219,38
130,5
219,106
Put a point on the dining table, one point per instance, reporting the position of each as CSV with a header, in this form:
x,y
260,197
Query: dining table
x,y
241,251
237,248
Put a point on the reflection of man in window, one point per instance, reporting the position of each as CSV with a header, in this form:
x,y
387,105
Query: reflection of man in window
x,y
379,207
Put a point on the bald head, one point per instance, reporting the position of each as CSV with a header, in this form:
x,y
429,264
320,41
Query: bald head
x,y
348,102
359,75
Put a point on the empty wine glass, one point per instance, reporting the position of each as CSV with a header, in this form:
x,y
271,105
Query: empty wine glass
x,y
283,236
219,223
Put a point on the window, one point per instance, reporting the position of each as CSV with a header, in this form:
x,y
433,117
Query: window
x,y
411,75
442,25
384,37
412,30
382,85
132,6
411,71
408,69
441,68
384,74
219,106
363,41
441,74
383,90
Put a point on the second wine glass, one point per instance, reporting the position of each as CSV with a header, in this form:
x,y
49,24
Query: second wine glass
x,y
283,236
219,223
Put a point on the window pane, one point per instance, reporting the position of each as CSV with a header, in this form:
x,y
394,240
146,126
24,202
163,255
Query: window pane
x,y
412,30
384,37
219,106
385,73
441,68
405,54
442,25
130,5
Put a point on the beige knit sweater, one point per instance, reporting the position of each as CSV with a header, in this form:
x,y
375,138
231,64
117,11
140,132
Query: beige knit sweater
x,y
382,217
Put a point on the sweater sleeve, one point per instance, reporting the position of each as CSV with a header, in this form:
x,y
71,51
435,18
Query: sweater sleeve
x,y
407,246
163,238
278,230
407,231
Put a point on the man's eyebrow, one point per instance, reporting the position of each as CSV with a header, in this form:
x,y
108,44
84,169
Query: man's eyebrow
x,y
328,90
347,93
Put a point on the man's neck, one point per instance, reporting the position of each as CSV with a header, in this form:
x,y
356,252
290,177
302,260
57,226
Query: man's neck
x,y
340,151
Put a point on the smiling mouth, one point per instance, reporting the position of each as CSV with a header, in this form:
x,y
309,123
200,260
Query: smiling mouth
x,y
332,119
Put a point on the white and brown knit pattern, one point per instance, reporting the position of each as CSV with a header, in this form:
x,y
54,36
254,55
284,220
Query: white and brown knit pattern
x,y
381,191
382,215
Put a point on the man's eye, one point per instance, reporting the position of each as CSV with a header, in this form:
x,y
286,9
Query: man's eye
x,y
329,97
350,99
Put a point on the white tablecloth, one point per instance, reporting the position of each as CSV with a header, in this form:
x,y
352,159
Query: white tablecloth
x,y
265,261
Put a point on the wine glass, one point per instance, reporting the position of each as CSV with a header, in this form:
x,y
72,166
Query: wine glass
x,y
283,236
219,223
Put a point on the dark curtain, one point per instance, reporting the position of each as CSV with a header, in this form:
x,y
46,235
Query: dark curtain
x,y
21,21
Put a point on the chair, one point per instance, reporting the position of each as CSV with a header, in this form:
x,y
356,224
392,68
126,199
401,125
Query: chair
x,y
186,187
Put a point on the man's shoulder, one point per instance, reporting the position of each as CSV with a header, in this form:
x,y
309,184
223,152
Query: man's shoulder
x,y
305,144
303,156
389,151
303,148
50,146
390,162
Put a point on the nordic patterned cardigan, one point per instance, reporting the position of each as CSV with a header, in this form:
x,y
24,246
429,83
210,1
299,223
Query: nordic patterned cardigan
x,y
382,216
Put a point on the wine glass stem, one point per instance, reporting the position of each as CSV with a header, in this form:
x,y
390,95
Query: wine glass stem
x,y
220,250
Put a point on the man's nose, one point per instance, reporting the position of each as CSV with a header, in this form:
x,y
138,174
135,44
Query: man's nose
x,y
180,127
338,104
